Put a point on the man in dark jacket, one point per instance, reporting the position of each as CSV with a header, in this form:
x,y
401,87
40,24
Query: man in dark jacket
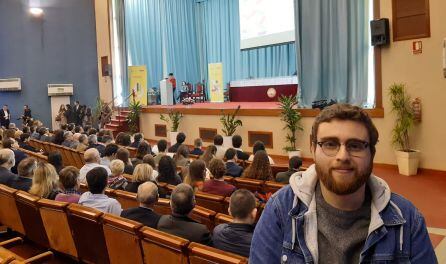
x,y
25,174
7,161
293,166
18,154
232,168
23,143
182,201
237,143
236,237
147,196
5,117
181,137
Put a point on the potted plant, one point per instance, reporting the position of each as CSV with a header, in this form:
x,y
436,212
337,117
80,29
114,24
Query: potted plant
x,y
97,112
230,124
291,116
133,116
407,158
173,118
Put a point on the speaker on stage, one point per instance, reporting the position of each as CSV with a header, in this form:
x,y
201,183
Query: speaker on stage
x,y
380,32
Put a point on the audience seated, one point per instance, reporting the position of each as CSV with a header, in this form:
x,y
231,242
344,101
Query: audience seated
x,y
182,202
293,166
218,142
58,137
161,147
23,143
45,181
55,159
92,159
109,154
69,181
196,175
143,149
181,137
116,180
137,139
167,171
25,174
7,161
147,196
217,184
181,158
237,144
208,155
83,143
236,237
198,143
142,174
258,145
123,139
232,168
93,143
260,168
69,141
148,159
19,155
124,155
95,197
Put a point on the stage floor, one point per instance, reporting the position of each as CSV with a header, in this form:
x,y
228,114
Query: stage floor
x,y
225,105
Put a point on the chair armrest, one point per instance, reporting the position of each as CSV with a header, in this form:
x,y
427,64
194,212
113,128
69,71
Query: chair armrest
x,y
11,242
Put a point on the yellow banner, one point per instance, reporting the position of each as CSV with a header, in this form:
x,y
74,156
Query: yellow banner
x,y
138,83
216,82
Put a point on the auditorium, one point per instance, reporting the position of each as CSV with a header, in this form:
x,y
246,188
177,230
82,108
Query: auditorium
x,y
222,131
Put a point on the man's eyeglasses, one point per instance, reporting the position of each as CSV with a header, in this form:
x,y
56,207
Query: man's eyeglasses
x,y
354,147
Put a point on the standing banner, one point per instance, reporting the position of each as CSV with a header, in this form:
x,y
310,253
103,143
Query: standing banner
x,y
138,83
216,82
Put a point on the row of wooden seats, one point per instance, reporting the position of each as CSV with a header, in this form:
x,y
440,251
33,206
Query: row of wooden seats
x,y
9,257
70,157
91,236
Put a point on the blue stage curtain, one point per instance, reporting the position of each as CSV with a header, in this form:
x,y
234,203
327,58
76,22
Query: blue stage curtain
x,y
218,24
144,37
332,50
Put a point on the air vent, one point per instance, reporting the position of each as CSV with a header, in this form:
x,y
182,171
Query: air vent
x,y
10,85
60,89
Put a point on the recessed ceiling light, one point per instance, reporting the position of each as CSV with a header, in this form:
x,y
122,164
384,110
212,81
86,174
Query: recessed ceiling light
x,y
35,11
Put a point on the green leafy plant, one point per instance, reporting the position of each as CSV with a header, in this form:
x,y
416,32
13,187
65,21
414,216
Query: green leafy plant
x,y
174,118
230,122
400,102
291,116
97,111
133,117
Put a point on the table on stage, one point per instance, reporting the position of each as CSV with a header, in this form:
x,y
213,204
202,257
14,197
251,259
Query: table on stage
x,y
256,90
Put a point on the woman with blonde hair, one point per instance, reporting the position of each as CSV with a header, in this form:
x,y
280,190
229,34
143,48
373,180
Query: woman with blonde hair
x,y
45,181
142,173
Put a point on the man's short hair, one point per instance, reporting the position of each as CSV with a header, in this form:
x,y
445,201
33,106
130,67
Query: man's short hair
x,y
217,168
77,129
6,155
92,131
110,149
295,163
91,155
92,139
26,167
147,193
258,145
97,180
68,177
117,167
24,137
218,140
25,129
241,204
198,143
137,137
82,138
236,141
230,154
7,143
67,134
70,126
346,112
182,199
162,145
181,137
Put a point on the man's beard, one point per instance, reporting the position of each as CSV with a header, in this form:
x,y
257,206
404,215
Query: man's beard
x,y
343,188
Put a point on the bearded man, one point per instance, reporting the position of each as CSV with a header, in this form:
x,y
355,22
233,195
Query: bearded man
x,y
337,211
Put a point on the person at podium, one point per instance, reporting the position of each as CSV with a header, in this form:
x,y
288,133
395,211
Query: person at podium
x,y
173,81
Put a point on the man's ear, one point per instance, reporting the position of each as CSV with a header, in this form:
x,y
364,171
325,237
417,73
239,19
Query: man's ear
x,y
229,211
254,213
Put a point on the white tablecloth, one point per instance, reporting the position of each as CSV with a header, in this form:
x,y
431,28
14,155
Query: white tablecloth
x,y
265,81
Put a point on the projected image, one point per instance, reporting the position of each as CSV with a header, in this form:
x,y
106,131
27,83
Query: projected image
x,y
266,22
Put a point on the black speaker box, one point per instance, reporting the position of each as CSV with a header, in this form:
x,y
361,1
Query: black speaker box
x,y
380,32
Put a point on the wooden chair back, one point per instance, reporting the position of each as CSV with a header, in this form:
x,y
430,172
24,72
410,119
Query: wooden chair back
x,y
250,184
201,254
162,207
126,199
210,201
272,187
9,214
204,216
223,219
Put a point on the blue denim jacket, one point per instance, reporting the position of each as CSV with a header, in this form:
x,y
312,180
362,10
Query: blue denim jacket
x,y
287,229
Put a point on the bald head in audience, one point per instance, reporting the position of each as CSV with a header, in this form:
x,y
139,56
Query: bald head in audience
x,y
92,156
182,200
147,194
7,158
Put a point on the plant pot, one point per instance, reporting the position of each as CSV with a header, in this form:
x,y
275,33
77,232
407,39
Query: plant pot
x,y
294,153
407,162
227,141
173,137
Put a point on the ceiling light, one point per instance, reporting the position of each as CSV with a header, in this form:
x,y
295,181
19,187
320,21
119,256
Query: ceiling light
x,y
35,11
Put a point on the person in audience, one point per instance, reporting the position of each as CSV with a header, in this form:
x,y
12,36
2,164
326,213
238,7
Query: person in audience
x,y
258,145
236,236
106,139
83,143
196,175
87,120
95,197
69,181
26,129
93,143
92,160
232,168
109,154
162,146
61,118
5,116
208,155
78,129
18,154
147,196
58,138
143,149
218,142
182,202
25,175
260,168
70,127
142,174
181,158
23,143
124,155
91,131
55,159
353,215
181,137
167,171
45,181
237,144
69,141
148,159
7,161
100,134
217,184
198,143
34,133
123,139
45,135
116,180
137,139
293,167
